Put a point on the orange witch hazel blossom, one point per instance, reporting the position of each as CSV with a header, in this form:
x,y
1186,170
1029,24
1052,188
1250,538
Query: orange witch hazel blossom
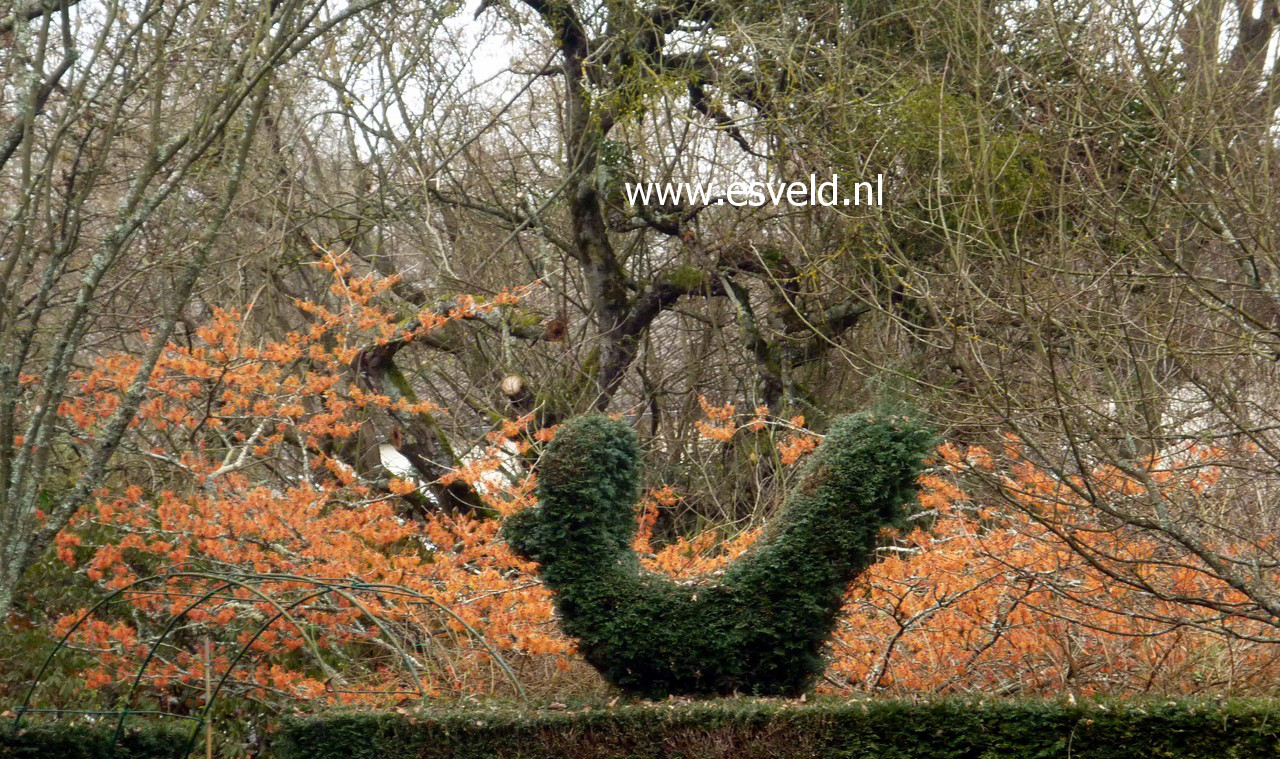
x,y
249,436
981,597
975,597
990,599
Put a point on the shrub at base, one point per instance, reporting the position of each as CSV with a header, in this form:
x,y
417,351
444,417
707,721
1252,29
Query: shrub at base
x,y
750,729
762,628
60,740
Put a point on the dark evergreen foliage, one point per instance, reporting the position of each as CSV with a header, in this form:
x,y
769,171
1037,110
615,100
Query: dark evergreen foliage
x,y
762,627
752,729
61,740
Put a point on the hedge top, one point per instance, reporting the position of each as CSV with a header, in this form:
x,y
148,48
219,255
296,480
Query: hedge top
x,y
857,729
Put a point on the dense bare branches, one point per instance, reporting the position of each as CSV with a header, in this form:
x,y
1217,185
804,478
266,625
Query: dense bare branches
x,y
1077,246
154,100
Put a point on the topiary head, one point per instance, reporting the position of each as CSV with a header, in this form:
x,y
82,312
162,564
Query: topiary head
x,y
871,458
587,483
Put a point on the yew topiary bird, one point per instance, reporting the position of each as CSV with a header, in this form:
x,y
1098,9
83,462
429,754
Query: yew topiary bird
x,y
762,627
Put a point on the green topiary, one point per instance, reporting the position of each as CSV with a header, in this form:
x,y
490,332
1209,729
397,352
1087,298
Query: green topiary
x,y
762,628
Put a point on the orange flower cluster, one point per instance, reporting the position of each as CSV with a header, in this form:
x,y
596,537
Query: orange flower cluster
x,y
976,597
981,596
720,425
989,599
256,492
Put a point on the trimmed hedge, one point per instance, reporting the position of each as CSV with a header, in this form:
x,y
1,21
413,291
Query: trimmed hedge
x,y
732,728
949,729
762,628
60,740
